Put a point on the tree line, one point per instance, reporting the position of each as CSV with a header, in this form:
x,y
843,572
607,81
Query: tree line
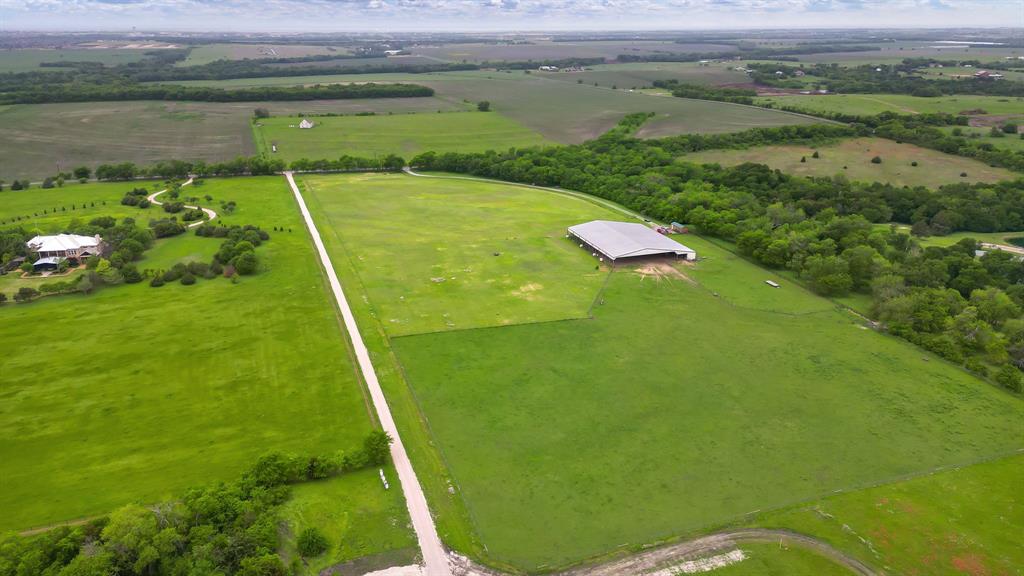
x,y
227,529
106,92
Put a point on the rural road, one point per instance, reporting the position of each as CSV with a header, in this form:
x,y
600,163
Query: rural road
x,y
435,559
210,214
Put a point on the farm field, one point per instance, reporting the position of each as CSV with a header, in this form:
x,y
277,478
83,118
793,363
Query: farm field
x,y
953,522
450,277
638,75
546,50
403,134
206,53
870,104
775,560
953,71
360,519
161,389
561,111
28,60
42,139
852,158
674,453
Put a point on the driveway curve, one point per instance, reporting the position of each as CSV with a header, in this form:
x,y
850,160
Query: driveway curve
x,y
210,214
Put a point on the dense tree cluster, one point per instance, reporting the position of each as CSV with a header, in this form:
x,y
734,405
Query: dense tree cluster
x,y
227,529
886,79
238,251
820,228
747,52
136,197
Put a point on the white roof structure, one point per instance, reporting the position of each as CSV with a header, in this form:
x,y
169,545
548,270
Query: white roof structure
x,y
51,260
62,242
625,240
305,124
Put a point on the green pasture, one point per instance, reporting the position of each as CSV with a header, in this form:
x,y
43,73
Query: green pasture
x,y
69,203
960,521
635,426
471,254
546,50
984,134
357,515
949,72
561,111
778,559
145,391
43,139
206,53
852,158
871,104
28,60
950,239
403,134
642,74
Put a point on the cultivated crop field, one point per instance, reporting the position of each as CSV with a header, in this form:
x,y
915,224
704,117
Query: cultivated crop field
x,y
543,50
403,134
640,74
43,139
564,112
163,388
659,414
29,60
852,158
870,104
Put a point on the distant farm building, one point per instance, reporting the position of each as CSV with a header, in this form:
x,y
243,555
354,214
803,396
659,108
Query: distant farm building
x,y
70,246
548,68
305,124
986,75
618,240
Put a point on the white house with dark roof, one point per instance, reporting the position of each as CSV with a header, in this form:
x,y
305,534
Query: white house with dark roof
x,y
71,246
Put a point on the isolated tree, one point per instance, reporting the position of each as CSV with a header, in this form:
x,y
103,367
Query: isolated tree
x,y
82,172
1010,128
261,113
816,154
16,185
25,294
483,106
876,160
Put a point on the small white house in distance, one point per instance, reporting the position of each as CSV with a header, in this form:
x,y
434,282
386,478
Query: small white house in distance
x,y
772,283
305,124
70,246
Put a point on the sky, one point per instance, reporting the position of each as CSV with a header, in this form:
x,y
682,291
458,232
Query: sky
x,y
500,15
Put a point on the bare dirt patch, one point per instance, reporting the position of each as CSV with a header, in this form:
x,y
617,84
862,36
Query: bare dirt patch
x,y
660,269
993,120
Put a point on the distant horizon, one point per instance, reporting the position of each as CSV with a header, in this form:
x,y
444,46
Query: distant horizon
x,y
501,16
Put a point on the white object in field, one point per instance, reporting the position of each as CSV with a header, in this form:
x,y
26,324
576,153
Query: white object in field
x,y
383,479
772,283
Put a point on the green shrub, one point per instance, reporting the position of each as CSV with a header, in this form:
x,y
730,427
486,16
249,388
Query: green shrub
x,y
876,160
188,279
157,281
311,543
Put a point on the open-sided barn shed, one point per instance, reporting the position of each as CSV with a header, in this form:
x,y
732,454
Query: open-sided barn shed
x,y
617,240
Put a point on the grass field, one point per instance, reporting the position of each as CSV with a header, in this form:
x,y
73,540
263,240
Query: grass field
x,y
870,104
357,515
160,389
562,111
546,50
638,75
42,139
634,426
962,521
1009,141
852,158
954,71
950,239
776,560
206,53
403,134
29,60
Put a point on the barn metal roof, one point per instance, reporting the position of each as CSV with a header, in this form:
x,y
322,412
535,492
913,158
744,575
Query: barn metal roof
x,y
625,239
62,242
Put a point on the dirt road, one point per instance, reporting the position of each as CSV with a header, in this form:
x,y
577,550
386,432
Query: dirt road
x,y
435,559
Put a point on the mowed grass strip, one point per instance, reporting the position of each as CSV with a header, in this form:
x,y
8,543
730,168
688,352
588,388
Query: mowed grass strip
x,y
964,520
440,254
135,393
681,407
852,158
403,134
